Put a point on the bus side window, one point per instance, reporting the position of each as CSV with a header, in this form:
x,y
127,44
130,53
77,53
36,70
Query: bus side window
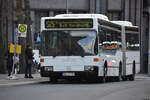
x,y
132,41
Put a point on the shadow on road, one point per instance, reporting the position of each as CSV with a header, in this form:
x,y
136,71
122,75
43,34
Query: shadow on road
x,y
64,81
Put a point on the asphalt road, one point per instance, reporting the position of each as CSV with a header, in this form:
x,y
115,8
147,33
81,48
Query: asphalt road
x,y
128,90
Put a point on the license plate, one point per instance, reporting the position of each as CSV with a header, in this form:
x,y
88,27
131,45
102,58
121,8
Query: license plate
x,y
68,74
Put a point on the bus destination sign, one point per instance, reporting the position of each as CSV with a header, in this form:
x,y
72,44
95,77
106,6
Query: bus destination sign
x,y
68,23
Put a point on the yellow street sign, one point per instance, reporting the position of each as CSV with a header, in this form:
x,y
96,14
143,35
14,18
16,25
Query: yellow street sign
x,y
12,49
18,49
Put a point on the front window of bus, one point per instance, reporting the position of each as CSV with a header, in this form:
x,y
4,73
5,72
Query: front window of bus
x,y
68,43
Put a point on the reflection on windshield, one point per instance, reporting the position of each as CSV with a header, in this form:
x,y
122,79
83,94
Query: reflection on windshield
x,y
68,43
88,43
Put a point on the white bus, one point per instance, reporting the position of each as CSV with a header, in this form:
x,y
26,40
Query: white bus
x,y
75,46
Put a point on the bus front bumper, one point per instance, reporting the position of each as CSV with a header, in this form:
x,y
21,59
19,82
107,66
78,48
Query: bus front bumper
x,y
65,74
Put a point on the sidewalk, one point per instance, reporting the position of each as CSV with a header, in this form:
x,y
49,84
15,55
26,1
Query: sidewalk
x,y
5,81
142,76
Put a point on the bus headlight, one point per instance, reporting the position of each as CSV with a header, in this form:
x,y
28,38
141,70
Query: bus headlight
x,y
48,68
88,68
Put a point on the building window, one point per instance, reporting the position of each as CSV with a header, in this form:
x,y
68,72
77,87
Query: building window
x,y
146,3
78,12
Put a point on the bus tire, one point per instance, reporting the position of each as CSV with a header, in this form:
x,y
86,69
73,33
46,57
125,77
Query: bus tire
x,y
105,69
94,78
132,77
120,72
124,78
53,79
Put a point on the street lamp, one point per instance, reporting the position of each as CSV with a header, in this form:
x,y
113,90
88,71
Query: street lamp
x,y
67,10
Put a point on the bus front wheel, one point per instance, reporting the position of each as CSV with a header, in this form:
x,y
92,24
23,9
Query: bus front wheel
x,y
53,79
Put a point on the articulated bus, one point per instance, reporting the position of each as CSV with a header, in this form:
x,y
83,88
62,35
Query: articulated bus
x,y
119,47
88,46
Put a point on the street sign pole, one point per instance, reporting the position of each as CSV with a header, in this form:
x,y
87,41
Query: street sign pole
x,y
13,73
20,32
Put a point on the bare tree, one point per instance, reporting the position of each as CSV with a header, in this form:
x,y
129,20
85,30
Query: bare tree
x,y
23,16
28,21
22,41
3,30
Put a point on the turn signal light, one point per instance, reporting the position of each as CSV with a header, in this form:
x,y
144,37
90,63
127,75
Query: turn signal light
x,y
96,60
42,60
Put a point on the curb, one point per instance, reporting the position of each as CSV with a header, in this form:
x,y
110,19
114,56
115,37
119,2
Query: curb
x,y
18,83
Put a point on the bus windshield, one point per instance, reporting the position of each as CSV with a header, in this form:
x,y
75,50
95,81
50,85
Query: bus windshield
x,y
69,43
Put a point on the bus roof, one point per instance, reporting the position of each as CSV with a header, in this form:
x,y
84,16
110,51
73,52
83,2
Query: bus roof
x,y
70,17
124,23
100,16
129,27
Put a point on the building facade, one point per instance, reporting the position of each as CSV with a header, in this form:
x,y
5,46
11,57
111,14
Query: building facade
x,y
146,30
129,10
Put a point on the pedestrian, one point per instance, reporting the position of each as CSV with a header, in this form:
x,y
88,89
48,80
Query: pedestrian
x,y
29,60
9,58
